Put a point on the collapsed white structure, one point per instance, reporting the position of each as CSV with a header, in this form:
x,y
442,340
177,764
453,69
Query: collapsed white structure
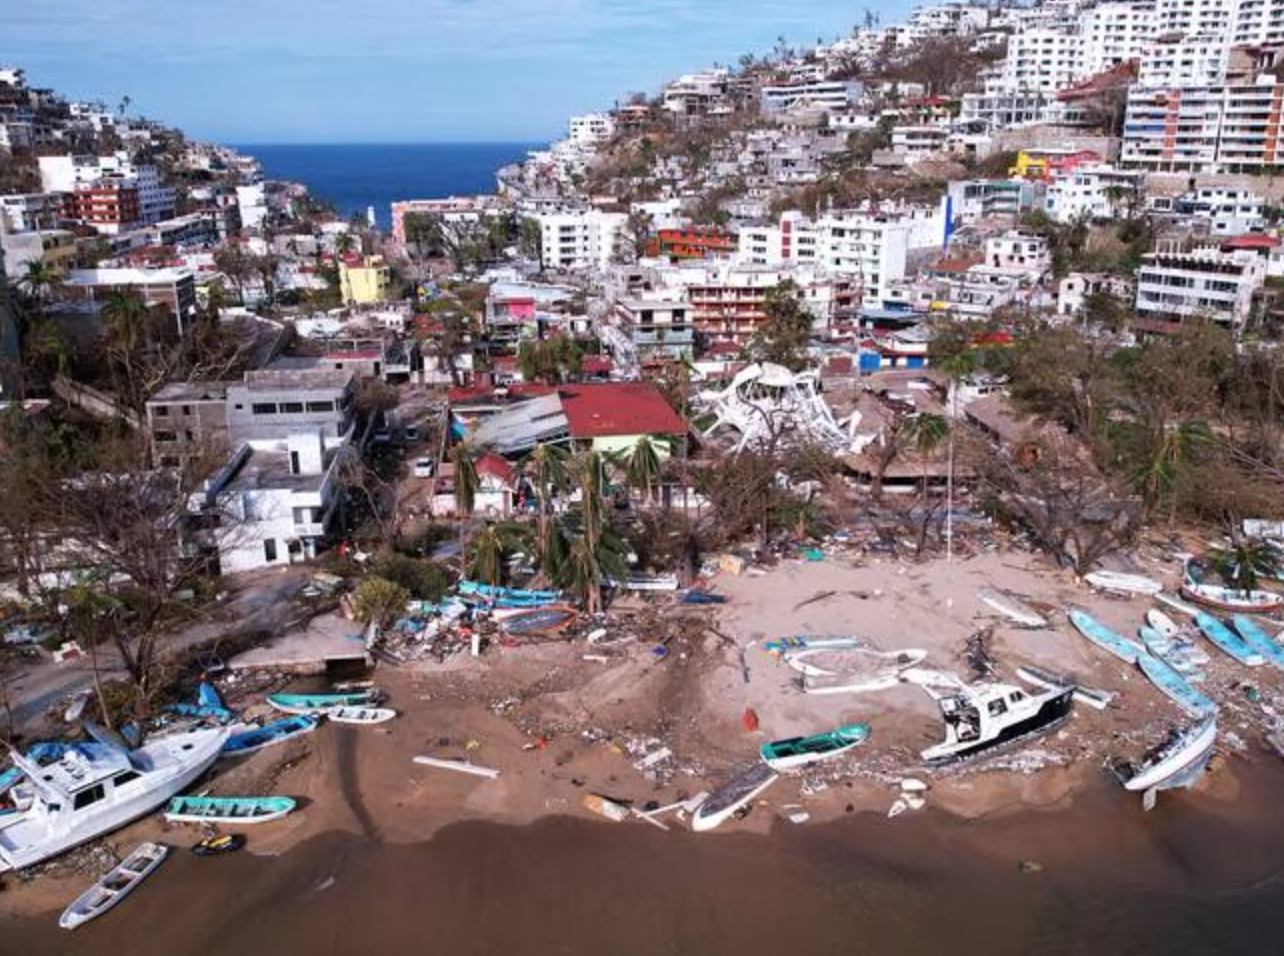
x,y
767,403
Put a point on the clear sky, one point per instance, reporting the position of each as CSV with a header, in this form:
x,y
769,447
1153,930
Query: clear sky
x,y
390,70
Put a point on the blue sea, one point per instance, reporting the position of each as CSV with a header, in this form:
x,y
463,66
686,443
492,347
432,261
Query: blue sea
x,y
353,176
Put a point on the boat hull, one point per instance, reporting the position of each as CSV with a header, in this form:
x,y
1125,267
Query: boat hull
x,y
222,810
723,803
1227,640
795,752
1169,682
1106,639
1180,761
1226,599
98,900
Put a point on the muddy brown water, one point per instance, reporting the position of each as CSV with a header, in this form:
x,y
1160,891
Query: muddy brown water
x,y
1198,876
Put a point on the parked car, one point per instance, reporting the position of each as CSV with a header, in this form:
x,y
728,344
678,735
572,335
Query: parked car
x,y
424,468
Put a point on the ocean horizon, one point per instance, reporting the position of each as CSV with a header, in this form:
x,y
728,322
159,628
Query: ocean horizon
x,y
356,176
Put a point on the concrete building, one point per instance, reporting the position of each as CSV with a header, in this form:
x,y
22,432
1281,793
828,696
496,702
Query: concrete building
x,y
1175,60
1076,287
270,403
108,190
363,279
22,212
1019,250
1041,60
173,289
1229,210
826,95
253,204
971,200
591,128
1094,191
1204,129
698,94
1115,32
657,328
54,247
580,240
1204,283
187,419
920,142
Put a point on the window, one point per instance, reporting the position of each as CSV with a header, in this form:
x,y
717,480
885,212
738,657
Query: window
x,y
127,776
320,406
165,436
269,550
88,796
162,411
291,408
263,408
188,435
187,409
294,463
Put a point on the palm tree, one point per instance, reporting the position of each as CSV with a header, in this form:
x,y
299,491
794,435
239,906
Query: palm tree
x,y
126,315
588,562
643,466
40,280
465,490
1245,562
490,546
1159,475
548,464
926,432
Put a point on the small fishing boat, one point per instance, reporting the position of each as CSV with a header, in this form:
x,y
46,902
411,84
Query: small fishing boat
x,y
801,642
277,732
226,810
1011,607
830,661
1227,640
794,752
1122,583
645,582
1168,680
1155,642
1095,698
723,803
542,620
495,591
1175,762
1232,599
1087,625
122,880
1258,639
201,712
1162,624
219,844
318,703
360,715
982,717
1178,654
870,671
613,810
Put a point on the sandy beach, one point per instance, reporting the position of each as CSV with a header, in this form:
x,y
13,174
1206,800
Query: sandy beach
x,y
558,726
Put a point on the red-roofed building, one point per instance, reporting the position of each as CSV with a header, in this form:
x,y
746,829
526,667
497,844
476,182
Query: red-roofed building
x,y
614,415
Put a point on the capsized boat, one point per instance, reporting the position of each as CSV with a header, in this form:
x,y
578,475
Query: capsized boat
x,y
794,752
1228,640
1164,625
1177,654
1011,607
1123,583
1258,639
723,803
1087,625
119,882
1175,762
277,732
92,789
1168,680
360,715
225,810
542,620
982,717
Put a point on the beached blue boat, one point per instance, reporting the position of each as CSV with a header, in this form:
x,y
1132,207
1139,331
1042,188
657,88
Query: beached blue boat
x,y
227,810
1171,683
798,642
1087,625
539,620
1258,639
495,592
1228,640
317,703
277,732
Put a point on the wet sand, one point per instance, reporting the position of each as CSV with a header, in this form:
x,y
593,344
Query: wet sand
x,y
1200,875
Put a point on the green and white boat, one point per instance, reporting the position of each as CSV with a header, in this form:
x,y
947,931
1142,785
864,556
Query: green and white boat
x,y
793,752
318,703
227,810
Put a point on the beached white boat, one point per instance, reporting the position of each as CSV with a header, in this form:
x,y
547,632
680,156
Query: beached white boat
x,y
723,803
1123,583
122,880
1175,762
360,715
1164,625
93,789
982,717
1011,607
832,661
1231,599
1094,697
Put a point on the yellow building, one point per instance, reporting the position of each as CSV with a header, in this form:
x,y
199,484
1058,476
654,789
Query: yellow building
x,y
367,282
1029,167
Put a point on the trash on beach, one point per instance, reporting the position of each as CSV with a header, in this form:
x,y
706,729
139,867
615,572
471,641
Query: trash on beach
x,y
749,719
606,807
461,766
795,813
731,563
1030,866
651,759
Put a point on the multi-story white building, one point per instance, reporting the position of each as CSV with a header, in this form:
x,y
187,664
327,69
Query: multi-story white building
x,y
70,174
591,128
1258,23
1041,60
1174,60
975,199
1204,283
1229,210
1019,250
919,142
827,95
1094,191
698,94
580,240
14,76
1204,129
22,212
1187,17
946,20
252,200
998,109
1115,32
